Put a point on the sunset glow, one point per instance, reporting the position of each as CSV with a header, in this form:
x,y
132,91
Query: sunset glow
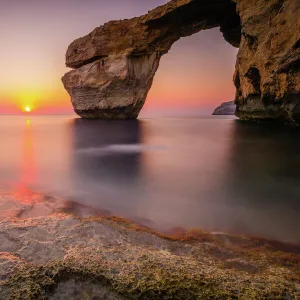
x,y
197,72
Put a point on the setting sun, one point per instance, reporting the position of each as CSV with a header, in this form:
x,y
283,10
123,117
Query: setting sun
x,y
28,109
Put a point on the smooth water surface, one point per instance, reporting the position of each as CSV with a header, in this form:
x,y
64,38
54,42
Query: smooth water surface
x,y
219,174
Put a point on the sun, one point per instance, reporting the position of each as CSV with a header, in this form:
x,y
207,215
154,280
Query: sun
x,y
28,109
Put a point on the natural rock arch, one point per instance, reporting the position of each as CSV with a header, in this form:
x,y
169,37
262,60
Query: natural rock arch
x,y
115,64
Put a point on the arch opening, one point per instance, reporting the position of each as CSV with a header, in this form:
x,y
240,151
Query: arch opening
x,y
194,77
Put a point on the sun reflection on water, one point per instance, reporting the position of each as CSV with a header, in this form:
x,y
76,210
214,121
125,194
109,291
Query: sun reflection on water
x,y
28,173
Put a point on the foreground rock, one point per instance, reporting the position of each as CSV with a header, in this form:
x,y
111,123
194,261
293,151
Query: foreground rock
x,y
61,256
115,64
226,108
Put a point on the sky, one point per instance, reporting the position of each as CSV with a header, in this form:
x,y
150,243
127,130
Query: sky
x,y
196,75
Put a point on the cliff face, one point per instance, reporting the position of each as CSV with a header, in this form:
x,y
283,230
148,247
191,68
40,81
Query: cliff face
x,y
267,75
115,64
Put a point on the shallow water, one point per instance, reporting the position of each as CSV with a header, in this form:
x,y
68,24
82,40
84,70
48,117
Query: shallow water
x,y
218,173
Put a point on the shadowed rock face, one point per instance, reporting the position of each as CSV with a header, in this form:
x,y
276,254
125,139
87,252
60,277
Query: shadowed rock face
x,y
267,75
115,64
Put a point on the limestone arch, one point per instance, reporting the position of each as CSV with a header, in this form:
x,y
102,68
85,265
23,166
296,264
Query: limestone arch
x,y
115,64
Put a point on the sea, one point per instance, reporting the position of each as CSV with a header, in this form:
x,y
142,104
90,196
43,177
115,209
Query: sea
x,y
218,174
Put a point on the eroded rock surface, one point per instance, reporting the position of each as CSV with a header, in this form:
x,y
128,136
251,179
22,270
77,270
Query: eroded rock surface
x,y
63,256
267,75
115,64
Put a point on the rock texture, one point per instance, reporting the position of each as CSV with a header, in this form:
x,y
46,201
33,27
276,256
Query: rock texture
x,y
63,256
267,75
115,64
226,108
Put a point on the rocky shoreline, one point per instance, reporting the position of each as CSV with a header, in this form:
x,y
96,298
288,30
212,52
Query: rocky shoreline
x,y
63,256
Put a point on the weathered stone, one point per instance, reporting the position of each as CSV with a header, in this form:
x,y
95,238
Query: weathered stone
x,y
78,290
112,88
267,75
115,64
226,108
63,256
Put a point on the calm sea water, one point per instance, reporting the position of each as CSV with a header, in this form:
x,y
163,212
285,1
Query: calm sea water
x,y
218,174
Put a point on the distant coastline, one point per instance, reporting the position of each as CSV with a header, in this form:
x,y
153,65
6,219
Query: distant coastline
x,y
226,108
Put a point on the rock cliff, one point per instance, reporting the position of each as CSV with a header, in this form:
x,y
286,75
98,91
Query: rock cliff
x,y
115,64
267,75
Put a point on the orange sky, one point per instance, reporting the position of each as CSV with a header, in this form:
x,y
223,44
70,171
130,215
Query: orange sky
x,y
34,35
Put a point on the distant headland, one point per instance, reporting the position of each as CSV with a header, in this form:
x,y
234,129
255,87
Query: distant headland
x,y
226,108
